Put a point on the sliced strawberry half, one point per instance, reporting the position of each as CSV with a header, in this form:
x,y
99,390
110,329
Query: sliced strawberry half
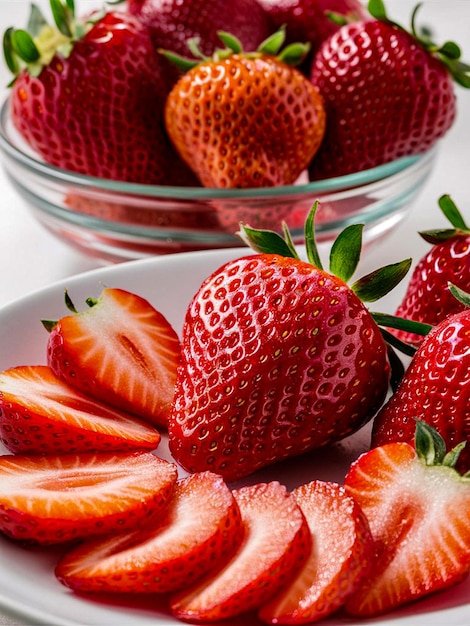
x,y
418,508
200,531
39,413
57,498
277,541
341,556
121,350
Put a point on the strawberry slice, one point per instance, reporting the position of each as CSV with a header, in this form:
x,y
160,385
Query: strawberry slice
x,y
201,530
121,351
418,508
39,413
341,555
277,541
57,498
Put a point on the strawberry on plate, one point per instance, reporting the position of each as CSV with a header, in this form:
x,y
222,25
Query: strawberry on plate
x,y
39,413
245,119
435,388
341,556
279,356
428,297
276,543
418,509
62,497
88,96
198,532
388,93
120,350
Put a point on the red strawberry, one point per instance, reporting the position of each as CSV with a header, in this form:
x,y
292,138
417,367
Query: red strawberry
x,y
41,414
120,350
246,120
172,24
198,532
57,498
278,356
387,94
309,20
435,389
91,97
277,541
428,298
418,508
339,560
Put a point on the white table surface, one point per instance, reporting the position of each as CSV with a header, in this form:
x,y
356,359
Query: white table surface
x,y
31,258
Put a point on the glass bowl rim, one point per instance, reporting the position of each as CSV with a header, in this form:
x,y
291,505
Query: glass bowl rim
x,y
57,174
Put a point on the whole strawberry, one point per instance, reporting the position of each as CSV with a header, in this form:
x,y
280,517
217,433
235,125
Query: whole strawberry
x,y
310,20
434,389
88,96
388,93
428,297
173,23
246,119
279,356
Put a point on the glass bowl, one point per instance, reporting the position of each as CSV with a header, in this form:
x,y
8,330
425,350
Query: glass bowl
x,y
118,221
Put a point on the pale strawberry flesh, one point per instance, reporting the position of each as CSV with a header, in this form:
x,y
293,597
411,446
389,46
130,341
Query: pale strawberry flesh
x,y
39,413
419,518
276,543
200,531
58,498
341,556
121,351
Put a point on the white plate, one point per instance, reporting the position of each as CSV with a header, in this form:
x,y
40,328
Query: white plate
x,y
28,589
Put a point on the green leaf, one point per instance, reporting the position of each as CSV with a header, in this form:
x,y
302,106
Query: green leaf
x,y
394,342
294,54
380,282
346,252
49,325
438,235
451,50
451,458
377,9
9,53
430,446
265,241
24,46
273,43
401,323
69,303
36,21
62,17
310,240
182,63
230,41
452,213
461,295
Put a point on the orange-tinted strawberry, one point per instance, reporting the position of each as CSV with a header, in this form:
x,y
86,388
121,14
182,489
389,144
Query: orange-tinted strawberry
x,y
388,93
120,350
198,532
246,119
279,356
62,497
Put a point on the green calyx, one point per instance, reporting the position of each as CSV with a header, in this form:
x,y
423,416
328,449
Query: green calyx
x,y
453,215
34,47
343,261
431,448
292,55
49,325
449,53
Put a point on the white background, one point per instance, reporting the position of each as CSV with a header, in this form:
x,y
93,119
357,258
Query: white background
x,y
31,258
